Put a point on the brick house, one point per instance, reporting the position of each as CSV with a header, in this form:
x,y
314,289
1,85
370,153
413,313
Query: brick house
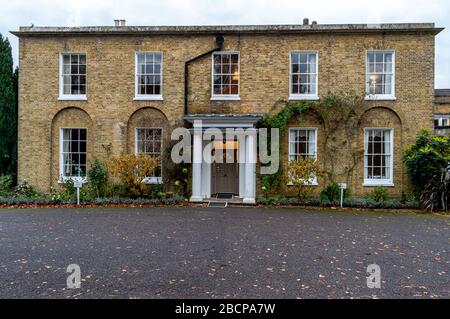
x,y
92,92
442,112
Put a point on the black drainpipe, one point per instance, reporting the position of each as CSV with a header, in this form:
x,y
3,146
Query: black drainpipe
x,y
219,43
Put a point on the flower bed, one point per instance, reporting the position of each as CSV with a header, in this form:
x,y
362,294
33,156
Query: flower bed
x,y
24,202
364,203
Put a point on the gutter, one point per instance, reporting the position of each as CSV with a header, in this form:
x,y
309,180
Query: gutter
x,y
219,44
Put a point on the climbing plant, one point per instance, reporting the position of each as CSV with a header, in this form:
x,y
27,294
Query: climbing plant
x,y
338,113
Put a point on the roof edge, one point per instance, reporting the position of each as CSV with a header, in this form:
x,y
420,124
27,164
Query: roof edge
x,y
213,29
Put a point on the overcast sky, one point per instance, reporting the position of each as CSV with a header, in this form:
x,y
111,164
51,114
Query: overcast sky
x,y
15,13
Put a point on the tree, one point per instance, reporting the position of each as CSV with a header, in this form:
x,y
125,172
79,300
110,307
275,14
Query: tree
x,y
8,110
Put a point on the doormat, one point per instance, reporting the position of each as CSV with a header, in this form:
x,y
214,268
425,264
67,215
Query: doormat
x,y
218,204
225,195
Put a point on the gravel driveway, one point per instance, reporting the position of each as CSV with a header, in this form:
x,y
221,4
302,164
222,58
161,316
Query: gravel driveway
x,y
222,253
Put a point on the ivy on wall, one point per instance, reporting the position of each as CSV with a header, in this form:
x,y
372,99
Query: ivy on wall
x,y
339,116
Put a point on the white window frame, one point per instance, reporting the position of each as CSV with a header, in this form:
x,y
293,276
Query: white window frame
x,y
225,97
379,182
303,97
70,97
62,178
147,97
381,97
314,181
151,180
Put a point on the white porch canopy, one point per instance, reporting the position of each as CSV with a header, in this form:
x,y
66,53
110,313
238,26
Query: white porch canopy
x,y
247,149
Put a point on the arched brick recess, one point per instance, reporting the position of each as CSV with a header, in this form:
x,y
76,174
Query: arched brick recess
x,y
381,117
70,117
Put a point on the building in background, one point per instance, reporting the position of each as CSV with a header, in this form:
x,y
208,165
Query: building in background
x,y
442,112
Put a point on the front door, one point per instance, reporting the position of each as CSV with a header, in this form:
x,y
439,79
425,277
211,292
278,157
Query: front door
x,y
225,178
225,175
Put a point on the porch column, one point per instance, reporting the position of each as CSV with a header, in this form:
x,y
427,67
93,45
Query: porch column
x,y
250,167
197,166
242,160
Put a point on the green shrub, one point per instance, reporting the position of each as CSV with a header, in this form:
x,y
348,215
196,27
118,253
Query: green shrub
x,y
6,185
426,158
115,190
332,192
98,178
436,194
24,189
379,194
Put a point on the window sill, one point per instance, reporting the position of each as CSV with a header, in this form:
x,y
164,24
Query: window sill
x,y
378,184
313,184
72,98
153,181
226,98
380,98
149,98
304,98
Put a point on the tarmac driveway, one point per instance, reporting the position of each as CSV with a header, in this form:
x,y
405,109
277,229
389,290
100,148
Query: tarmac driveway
x,y
222,253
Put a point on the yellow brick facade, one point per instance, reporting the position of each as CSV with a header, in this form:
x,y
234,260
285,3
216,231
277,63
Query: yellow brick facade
x,y
111,113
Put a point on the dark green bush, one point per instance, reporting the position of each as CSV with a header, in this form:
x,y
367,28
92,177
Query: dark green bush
x,y
98,178
6,185
332,192
426,158
379,194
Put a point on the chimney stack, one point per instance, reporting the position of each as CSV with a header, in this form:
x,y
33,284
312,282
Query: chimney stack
x,y
305,21
120,23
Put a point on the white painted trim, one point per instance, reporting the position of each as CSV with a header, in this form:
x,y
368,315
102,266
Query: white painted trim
x,y
151,179
303,97
381,97
71,97
229,97
147,97
306,97
61,177
225,98
379,182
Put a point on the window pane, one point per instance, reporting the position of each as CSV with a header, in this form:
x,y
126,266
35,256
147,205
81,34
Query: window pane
x,y
303,68
303,58
74,59
66,69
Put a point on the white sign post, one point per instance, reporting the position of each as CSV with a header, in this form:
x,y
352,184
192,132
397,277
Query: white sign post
x,y
78,184
342,186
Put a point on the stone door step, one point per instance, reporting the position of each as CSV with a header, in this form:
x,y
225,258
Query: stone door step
x,y
217,204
